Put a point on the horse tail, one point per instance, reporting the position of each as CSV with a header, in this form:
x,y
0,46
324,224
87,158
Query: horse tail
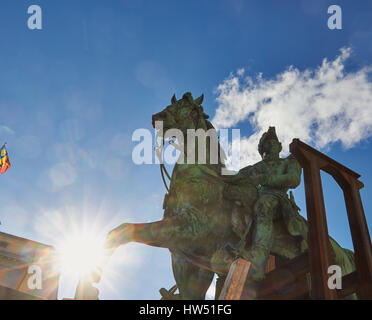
x,y
350,255
342,257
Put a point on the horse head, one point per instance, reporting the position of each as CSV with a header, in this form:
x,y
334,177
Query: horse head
x,y
183,114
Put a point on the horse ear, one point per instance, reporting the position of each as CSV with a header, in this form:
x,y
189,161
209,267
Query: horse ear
x,y
174,99
199,100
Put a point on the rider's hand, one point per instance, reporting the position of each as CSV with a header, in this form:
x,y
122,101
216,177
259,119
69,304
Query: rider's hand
x,y
260,179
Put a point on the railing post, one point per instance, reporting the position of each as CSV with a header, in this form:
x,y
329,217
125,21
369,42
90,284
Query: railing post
x,y
318,238
360,236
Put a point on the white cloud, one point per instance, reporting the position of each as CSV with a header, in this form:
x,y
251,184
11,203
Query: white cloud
x,y
319,106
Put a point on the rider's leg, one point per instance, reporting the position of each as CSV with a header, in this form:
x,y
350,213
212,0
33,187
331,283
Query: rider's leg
x,y
264,213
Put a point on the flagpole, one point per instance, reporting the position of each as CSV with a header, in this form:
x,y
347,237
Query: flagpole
x,y
0,149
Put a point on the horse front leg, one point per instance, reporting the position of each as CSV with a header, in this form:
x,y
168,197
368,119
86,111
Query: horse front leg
x,y
161,234
157,234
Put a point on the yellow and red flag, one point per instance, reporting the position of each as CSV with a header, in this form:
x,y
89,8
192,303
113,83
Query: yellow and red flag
x,y
4,160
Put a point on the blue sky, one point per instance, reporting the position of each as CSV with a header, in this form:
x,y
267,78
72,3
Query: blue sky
x,y
72,94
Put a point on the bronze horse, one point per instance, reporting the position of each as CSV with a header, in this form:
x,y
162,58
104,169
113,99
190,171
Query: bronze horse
x,y
205,216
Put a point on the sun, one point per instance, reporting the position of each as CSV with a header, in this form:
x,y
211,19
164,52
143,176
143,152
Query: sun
x,y
78,236
81,253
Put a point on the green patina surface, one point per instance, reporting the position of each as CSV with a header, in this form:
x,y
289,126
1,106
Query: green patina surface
x,y
210,219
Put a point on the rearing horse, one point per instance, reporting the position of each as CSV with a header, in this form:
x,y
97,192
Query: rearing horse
x,y
202,221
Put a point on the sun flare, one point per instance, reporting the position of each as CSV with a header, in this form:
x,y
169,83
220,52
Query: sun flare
x,y
78,236
81,253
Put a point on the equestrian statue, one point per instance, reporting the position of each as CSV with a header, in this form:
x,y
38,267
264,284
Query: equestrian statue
x,y
210,219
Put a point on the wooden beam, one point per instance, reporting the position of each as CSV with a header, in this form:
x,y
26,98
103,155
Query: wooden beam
x,y
312,161
318,238
270,264
283,276
349,285
297,143
235,280
361,238
298,289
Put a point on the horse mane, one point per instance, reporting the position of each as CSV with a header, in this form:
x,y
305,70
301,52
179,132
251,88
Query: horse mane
x,y
221,153
209,125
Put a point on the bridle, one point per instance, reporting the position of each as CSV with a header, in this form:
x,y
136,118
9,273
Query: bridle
x,y
159,153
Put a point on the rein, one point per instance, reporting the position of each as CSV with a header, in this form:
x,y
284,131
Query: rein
x,y
163,169
159,154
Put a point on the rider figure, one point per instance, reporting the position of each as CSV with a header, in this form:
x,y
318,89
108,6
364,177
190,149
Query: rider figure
x,y
273,176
